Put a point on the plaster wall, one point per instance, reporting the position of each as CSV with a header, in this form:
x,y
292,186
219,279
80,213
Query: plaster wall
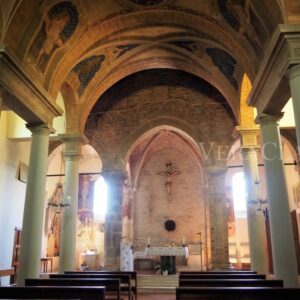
x,y
12,191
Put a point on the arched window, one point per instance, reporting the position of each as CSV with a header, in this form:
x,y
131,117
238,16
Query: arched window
x,y
100,199
239,194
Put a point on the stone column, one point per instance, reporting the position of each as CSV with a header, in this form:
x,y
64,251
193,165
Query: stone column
x,y
294,77
283,249
256,224
113,219
126,204
218,217
1,99
32,228
67,253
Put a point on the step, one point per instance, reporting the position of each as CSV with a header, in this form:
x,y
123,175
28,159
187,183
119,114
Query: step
x,y
157,290
157,284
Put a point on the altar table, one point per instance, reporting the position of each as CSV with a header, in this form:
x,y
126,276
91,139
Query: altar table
x,y
167,256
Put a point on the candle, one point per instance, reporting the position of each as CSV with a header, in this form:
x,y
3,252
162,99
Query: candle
x,y
148,240
183,240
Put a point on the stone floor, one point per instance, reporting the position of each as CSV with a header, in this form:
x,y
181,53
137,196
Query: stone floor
x,y
156,296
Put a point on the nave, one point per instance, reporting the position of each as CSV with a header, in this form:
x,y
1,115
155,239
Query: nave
x,y
132,130
203,285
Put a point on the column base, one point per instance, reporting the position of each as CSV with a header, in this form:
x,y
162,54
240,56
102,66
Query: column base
x,y
112,263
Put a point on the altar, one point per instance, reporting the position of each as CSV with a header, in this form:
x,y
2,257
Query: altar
x,y
167,256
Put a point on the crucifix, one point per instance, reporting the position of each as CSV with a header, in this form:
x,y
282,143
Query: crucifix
x,y
168,173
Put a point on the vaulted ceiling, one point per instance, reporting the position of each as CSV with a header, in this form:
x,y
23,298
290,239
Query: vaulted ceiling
x,y
84,47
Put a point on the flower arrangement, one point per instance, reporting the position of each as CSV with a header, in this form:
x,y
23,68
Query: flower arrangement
x,y
83,266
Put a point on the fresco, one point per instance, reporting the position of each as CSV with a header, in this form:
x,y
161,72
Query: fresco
x,y
225,63
58,25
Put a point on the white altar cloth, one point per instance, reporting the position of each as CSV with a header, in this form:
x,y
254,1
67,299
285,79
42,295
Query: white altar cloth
x,y
167,251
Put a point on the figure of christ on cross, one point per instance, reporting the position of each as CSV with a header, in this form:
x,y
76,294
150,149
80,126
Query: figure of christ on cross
x,y
168,173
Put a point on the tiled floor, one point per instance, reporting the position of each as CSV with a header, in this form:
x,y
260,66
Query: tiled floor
x,y
156,297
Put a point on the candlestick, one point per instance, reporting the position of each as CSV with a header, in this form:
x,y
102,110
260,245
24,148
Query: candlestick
x,y
148,240
183,240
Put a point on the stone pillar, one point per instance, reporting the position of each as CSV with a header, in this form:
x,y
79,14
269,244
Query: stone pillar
x,y
256,224
218,217
32,228
283,249
1,99
126,204
294,77
67,253
113,219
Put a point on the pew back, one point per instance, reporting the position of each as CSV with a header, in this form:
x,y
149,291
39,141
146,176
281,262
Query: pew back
x,y
112,286
133,275
217,272
230,282
52,292
234,293
221,276
124,278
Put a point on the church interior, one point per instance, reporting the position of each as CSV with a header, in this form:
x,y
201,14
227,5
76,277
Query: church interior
x,y
137,130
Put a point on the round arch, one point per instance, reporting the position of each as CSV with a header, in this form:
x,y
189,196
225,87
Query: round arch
x,y
111,29
154,64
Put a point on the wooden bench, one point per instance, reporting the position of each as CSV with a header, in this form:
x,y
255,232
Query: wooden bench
x,y
237,293
112,286
133,275
230,282
218,272
221,276
124,278
52,292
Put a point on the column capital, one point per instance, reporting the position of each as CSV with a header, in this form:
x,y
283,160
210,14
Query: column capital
x,y
216,170
73,142
41,129
73,137
248,136
265,119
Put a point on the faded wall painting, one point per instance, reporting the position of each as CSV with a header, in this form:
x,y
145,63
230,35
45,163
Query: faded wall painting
x,y
58,25
241,16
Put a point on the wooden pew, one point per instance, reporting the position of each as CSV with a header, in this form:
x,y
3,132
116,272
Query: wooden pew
x,y
229,283
234,293
221,276
125,279
52,292
112,286
133,275
218,272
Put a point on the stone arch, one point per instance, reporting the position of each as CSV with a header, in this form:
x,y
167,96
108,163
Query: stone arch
x,y
291,11
112,27
1,23
70,99
151,134
152,64
156,125
289,138
246,112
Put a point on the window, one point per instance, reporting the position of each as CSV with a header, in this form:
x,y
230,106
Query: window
x,y
100,199
239,194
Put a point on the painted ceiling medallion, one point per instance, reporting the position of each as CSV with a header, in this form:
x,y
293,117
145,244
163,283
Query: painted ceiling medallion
x,y
144,3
